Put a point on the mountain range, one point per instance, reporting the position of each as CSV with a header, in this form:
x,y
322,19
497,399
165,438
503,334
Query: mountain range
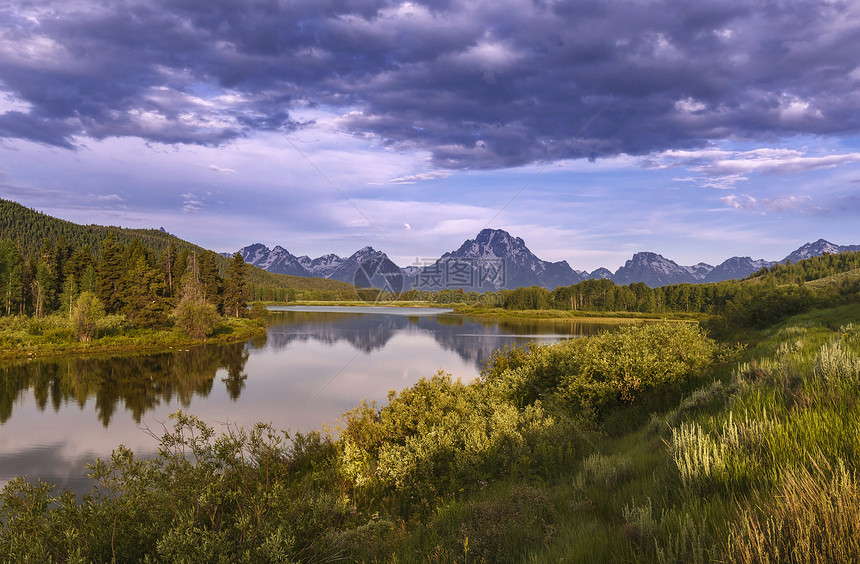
x,y
495,259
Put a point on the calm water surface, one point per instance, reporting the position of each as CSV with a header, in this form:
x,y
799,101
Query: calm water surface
x,y
313,364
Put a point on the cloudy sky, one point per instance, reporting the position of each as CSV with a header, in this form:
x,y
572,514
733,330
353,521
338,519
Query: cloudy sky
x,y
591,129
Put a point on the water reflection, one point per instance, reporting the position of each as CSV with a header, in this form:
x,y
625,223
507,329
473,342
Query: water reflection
x,y
140,382
473,339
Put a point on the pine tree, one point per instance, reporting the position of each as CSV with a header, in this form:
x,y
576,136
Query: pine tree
x,y
89,283
11,283
166,264
69,295
210,280
43,291
236,287
145,305
48,277
111,269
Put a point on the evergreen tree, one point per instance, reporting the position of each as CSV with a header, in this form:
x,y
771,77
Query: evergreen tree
x,y
69,295
11,283
43,291
77,264
89,283
236,287
210,280
111,279
166,262
145,305
48,277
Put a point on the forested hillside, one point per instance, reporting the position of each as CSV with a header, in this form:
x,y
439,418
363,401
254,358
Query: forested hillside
x,y
30,231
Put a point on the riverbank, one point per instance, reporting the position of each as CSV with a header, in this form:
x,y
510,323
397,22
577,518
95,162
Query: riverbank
x,y
501,313
26,337
603,317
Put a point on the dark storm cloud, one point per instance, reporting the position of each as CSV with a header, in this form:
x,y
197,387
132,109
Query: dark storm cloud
x,y
479,84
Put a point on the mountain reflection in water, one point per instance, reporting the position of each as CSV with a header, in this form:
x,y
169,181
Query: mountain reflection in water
x,y
473,339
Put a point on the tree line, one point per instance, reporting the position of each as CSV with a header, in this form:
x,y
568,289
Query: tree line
x,y
150,288
763,298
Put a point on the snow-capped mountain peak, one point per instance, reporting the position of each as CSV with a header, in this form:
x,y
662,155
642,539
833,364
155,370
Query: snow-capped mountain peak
x,y
278,260
810,250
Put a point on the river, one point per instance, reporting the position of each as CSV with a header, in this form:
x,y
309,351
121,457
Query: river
x,y
56,415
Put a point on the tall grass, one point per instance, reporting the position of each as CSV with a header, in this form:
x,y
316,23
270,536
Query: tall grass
x,y
813,518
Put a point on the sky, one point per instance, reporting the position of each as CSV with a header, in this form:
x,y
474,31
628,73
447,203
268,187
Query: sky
x,y
592,129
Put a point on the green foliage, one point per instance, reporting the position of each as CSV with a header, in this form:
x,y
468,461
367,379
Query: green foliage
x,y
498,529
196,317
534,297
606,471
243,496
30,241
760,306
258,311
236,287
440,436
757,464
590,376
145,304
194,314
86,313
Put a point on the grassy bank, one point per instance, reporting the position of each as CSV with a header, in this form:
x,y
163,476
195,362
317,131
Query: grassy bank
x,y
607,317
501,313
24,337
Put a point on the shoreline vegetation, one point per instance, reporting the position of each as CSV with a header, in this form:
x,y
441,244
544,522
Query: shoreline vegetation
x,y
54,335
502,313
653,443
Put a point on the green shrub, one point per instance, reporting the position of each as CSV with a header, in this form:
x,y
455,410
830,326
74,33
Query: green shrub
x,y
86,313
595,374
244,496
440,436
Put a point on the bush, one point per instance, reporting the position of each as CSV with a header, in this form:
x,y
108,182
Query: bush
x,y
196,318
605,371
244,496
440,436
86,313
761,305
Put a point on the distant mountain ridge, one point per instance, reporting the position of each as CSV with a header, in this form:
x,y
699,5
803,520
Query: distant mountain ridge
x,y
496,260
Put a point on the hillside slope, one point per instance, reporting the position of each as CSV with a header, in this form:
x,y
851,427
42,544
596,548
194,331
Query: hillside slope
x,y
30,228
